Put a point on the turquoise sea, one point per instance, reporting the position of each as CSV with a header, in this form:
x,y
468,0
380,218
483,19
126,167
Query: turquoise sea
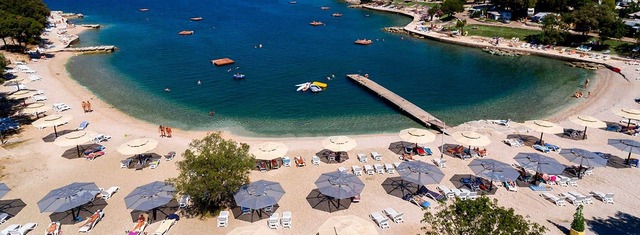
x,y
454,83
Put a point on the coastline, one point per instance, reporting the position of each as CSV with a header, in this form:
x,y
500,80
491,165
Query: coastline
x,y
36,165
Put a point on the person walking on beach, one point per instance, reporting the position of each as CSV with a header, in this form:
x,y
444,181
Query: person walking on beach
x,y
161,131
168,130
89,107
84,106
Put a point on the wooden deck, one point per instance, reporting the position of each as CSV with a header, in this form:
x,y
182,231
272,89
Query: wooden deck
x,y
414,111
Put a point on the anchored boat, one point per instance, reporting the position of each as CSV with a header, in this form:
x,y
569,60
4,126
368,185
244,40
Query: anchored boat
x,y
238,76
316,23
196,19
363,42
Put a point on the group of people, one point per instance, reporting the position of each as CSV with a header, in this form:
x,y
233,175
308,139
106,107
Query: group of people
x,y
579,94
165,131
86,106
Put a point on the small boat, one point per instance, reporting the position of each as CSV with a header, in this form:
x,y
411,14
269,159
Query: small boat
x,y
315,89
303,86
325,8
186,32
238,76
293,2
336,14
195,18
363,42
316,23
143,9
167,89
320,84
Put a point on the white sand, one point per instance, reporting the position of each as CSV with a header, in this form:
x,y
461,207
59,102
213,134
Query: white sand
x,y
35,167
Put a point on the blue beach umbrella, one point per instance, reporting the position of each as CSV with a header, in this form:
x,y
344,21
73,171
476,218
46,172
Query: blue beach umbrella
x,y
69,197
630,146
540,163
584,158
493,170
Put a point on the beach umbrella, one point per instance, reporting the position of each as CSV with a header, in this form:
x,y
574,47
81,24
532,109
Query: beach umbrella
x,y
259,194
252,230
21,94
493,170
15,82
69,197
584,158
630,146
543,127
339,143
587,121
75,138
52,121
150,196
631,114
4,189
540,163
418,136
137,146
269,150
36,108
420,173
339,185
471,138
347,225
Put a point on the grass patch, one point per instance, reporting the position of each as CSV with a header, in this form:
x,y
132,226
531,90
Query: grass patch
x,y
497,31
412,4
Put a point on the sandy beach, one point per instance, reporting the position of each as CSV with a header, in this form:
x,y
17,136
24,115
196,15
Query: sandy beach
x,y
32,165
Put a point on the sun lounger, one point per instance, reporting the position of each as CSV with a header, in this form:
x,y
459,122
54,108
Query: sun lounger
x,y
83,125
273,221
101,138
362,157
91,222
37,98
394,215
512,142
154,164
3,217
379,168
509,187
433,195
446,191
10,228
300,161
472,195
170,156
554,199
93,156
376,156
315,160
390,169
138,228
540,187
440,162
184,201
342,169
552,147
245,211
357,170
286,161
287,220
573,182
53,229
461,194
164,226
223,219
94,149
59,107
106,194
125,163
575,201
420,151
606,198
369,170
541,148
381,221
585,199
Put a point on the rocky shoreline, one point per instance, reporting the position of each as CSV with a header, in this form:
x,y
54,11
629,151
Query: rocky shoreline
x,y
586,65
502,52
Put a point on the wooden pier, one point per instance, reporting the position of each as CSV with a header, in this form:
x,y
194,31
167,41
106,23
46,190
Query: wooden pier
x,y
93,49
414,111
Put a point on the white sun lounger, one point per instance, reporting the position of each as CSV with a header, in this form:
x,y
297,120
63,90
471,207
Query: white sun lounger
x,y
91,222
376,156
287,220
315,160
362,157
357,170
394,215
223,219
462,194
12,227
380,220
273,221
446,191
389,168
440,162
575,201
3,217
164,227
37,98
554,199
34,78
585,199
606,198
106,194
379,168
369,170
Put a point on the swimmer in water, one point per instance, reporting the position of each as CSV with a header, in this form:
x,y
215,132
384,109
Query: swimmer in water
x,y
167,89
199,83
211,113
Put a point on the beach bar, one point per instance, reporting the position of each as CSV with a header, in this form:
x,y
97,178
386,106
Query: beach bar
x,y
222,61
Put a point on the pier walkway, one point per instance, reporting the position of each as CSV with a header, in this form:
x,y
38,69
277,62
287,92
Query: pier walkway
x,y
92,49
414,111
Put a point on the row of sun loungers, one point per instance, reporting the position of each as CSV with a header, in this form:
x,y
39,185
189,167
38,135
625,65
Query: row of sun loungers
x,y
17,229
577,198
275,221
390,213
372,170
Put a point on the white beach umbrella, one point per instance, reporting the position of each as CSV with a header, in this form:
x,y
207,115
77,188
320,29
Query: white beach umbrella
x,y
138,146
339,143
36,108
269,150
75,138
21,94
587,121
52,121
252,230
347,225
471,138
544,127
418,136
631,114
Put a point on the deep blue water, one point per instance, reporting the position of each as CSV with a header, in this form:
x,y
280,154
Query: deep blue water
x,y
454,83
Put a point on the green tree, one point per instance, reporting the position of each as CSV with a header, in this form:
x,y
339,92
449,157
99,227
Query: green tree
x,y
578,220
480,216
3,62
518,7
612,28
213,169
22,20
460,25
451,7
554,30
433,11
586,18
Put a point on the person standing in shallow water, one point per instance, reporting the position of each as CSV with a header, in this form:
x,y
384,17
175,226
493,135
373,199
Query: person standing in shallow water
x,y
161,131
168,131
586,83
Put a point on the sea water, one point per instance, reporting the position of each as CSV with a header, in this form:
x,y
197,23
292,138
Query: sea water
x,y
454,83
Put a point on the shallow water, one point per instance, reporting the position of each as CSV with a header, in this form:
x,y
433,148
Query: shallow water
x,y
454,83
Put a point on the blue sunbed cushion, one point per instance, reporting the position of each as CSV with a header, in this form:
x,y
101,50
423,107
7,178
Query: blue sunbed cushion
x,y
540,188
541,148
552,147
425,204
428,150
83,125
